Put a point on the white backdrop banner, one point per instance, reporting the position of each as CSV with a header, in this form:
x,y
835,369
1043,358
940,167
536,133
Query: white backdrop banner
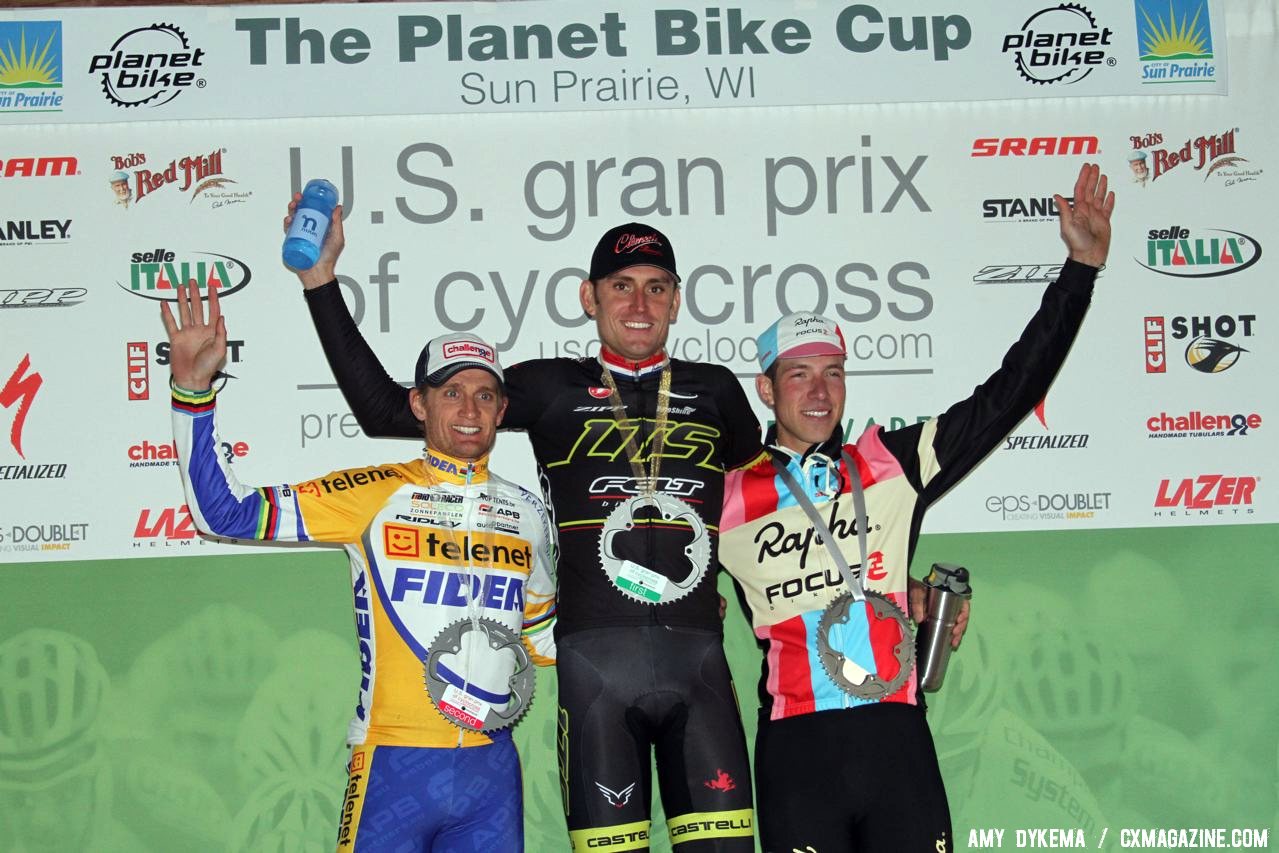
x,y
169,63
927,230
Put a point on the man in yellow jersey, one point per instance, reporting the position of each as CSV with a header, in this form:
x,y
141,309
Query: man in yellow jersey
x,y
451,580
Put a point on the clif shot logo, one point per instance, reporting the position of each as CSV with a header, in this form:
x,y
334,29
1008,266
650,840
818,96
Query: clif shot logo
x,y
1211,346
148,65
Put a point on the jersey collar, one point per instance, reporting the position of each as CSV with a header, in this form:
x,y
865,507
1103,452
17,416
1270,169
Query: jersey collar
x,y
448,469
633,369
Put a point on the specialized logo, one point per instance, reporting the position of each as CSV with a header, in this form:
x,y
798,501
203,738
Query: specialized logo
x,y
1059,44
1036,146
1176,251
42,297
1057,441
1197,424
1174,41
1213,154
139,370
1018,273
30,232
617,799
39,167
148,65
199,175
469,349
721,782
30,66
156,274
21,389
1030,209
1207,491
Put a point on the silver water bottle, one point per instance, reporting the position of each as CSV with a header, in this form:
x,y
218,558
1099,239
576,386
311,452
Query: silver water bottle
x,y
948,589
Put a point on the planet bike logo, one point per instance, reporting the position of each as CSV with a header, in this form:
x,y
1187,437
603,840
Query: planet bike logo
x,y
42,297
1215,155
32,232
199,175
165,528
1175,251
148,65
1057,506
1035,146
30,66
1211,346
156,274
1206,495
158,454
52,536
1030,209
1174,41
1059,44
39,167
1018,273
1197,424
469,349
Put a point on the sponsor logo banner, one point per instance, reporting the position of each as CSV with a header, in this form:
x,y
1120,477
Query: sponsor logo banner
x,y
1208,253
30,67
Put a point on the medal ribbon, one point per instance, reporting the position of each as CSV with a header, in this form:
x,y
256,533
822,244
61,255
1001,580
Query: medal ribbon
x,y
647,481
860,521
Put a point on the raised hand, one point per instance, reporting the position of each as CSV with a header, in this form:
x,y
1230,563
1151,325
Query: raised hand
x,y
325,268
1085,225
197,347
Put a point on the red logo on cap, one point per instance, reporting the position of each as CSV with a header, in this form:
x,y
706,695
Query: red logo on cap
x,y
464,349
630,243
598,392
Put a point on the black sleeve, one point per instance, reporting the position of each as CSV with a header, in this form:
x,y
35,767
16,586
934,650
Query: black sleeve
x,y
742,439
379,403
970,429
528,391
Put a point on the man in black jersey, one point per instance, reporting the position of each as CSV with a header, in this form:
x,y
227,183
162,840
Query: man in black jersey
x,y
631,449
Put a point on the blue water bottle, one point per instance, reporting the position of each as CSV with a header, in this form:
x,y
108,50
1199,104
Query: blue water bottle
x,y
310,224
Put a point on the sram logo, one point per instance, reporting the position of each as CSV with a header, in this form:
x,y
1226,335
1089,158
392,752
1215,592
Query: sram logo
x,y
1206,492
39,167
1021,146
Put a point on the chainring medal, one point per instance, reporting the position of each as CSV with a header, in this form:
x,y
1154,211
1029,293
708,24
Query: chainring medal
x,y
467,705
640,582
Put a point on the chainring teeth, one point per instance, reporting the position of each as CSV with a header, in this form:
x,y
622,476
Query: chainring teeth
x,y
439,645
875,687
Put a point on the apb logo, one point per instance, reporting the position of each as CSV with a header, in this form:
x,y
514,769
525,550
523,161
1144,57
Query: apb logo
x,y
148,65
1176,251
30,66
156,274
1060,44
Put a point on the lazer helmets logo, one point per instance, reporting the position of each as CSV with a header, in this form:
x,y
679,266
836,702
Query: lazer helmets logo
x,y
1211,346
148,65
1179,252
1206,495
1059,44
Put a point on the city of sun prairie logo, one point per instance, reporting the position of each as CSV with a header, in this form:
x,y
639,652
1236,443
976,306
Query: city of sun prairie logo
x,y
30,66
1174,41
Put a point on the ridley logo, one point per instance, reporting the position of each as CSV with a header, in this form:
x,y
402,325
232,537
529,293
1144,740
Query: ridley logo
x,y
140,66
1207,491
20,388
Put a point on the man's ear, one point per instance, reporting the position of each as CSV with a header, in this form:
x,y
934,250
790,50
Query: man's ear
x,y
764,388
417,402
586,293
501,410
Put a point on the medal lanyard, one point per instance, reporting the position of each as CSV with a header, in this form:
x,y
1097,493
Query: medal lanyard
x,y
860,521
646,481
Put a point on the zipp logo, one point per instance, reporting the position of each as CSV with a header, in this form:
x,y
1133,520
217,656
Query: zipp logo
x,y
39,167
1021,146
1206,492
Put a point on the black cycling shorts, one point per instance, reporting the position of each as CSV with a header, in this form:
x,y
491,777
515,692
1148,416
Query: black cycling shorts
x,y
857,780
625,692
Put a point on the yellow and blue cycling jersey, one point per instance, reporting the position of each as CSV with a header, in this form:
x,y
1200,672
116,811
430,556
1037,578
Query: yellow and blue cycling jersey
x,y
431,542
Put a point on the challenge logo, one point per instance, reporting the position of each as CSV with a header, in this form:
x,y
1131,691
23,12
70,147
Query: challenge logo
x,y
42,297
469,349
1174,41
156,274
149,65
1177,252
1197,424
1041,209
160,455
197,175
39,167
1205,493
30,66
29,232
1212,154
1060,44
1046,146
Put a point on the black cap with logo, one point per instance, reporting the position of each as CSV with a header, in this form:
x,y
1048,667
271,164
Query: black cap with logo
x,y
632,245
